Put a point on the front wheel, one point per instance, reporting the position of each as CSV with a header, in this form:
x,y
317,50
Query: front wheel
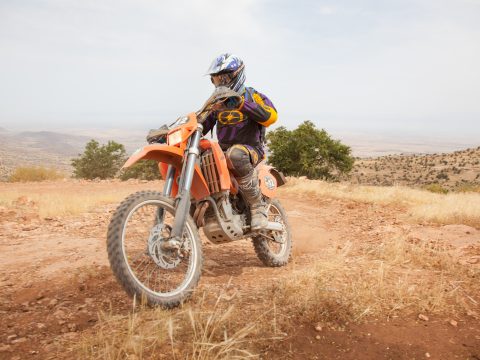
x,y
274,248
144,268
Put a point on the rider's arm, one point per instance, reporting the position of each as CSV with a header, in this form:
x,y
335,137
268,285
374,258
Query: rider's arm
x,y
209,122
260,109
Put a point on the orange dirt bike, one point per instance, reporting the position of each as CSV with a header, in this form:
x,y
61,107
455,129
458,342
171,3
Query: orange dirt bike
x,y
199,191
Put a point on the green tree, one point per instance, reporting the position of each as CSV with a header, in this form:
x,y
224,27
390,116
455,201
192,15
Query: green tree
x,y
144,170
99,161
308,151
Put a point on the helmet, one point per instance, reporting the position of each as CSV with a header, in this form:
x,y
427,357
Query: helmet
x,y
227,70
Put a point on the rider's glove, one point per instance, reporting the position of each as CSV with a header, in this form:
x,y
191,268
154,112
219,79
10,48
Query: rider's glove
x,y
233,103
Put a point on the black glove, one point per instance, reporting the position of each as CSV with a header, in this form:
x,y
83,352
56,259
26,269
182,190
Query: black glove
x,y
233,102
158,135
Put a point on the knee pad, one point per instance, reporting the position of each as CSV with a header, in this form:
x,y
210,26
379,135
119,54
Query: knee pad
x,y
238,160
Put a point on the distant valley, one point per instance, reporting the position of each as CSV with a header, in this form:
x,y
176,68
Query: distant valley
x,y
421,161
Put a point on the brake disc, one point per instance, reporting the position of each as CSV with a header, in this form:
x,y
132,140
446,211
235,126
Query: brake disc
x,y
164,259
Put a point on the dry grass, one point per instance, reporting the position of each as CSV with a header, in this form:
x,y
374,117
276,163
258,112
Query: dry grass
x,y
59,201
395,277
32,173
208,328
452,208
350,285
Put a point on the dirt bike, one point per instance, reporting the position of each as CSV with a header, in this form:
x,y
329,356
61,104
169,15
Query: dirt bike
x,y
199,192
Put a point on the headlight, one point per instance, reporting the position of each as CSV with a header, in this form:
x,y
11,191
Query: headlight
x,y
180,121
175,137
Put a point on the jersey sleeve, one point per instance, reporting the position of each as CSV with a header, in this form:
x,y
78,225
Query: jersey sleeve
x,y
260,109
209,122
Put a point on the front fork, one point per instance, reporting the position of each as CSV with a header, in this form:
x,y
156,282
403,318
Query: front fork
x,y
183,198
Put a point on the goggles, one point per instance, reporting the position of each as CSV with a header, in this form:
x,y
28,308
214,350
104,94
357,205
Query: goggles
x,y
221,79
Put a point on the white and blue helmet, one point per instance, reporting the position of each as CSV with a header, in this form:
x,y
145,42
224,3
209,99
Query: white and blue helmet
x,y
229,69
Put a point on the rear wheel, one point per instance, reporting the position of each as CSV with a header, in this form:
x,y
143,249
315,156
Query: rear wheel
x,y
147,271
273,248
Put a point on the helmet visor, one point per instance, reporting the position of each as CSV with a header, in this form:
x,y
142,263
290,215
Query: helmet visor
x,y
221,79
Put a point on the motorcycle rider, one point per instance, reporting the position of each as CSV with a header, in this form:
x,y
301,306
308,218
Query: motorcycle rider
x,y
241,129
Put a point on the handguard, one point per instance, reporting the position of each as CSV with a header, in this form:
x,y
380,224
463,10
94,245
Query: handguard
x,y
157,135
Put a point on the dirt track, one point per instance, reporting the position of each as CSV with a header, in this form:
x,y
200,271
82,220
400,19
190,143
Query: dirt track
x,y
55,279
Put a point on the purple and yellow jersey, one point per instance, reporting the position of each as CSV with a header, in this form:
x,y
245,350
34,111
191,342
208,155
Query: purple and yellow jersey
x,y
246,124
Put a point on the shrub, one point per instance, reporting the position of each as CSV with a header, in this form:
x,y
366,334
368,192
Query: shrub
x,y
99,161
307,151
443,176
144,170
436,188
468,188
32,173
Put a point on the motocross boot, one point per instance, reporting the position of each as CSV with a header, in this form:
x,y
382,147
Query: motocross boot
x,y
250,189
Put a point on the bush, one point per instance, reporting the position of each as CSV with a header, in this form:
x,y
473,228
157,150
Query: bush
x,y
32,173
307,151
144,170
99,161
436,188
469,187
442,176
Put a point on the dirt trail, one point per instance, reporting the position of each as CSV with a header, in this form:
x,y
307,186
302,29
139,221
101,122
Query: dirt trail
x,y
55,279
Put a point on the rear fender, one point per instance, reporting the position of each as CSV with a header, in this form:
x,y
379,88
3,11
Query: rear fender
x,y
270,179
165,155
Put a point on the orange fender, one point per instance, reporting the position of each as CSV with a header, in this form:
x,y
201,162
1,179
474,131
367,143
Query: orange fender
x,y
165,154
268,182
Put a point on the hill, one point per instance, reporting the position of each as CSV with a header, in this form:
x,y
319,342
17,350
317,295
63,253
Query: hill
x,y
53,149
43,148
451,170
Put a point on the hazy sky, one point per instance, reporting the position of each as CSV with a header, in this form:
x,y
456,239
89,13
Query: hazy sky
x,y
410,66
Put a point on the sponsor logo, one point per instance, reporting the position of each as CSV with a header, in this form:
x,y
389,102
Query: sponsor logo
x,y
269,183
230,117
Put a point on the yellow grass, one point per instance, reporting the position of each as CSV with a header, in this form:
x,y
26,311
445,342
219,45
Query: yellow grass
x,y
422,205
207,328
392,278
57,199
350,285
32,173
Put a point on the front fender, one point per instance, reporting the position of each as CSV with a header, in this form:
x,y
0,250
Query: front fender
x,y
172,155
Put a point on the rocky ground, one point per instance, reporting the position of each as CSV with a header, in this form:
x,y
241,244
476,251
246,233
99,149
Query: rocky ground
x,y
55,280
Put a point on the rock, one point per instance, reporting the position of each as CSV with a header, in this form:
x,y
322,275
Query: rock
x,y
453,323
72,327
30,228
40,296
473,260
89,301
11,337
5,348
427,355
423,317
210,263
19,340
317,337
22,200
318,327
41,326
59,314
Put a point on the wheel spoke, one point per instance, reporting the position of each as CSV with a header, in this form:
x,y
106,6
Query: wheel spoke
x,y
157,271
